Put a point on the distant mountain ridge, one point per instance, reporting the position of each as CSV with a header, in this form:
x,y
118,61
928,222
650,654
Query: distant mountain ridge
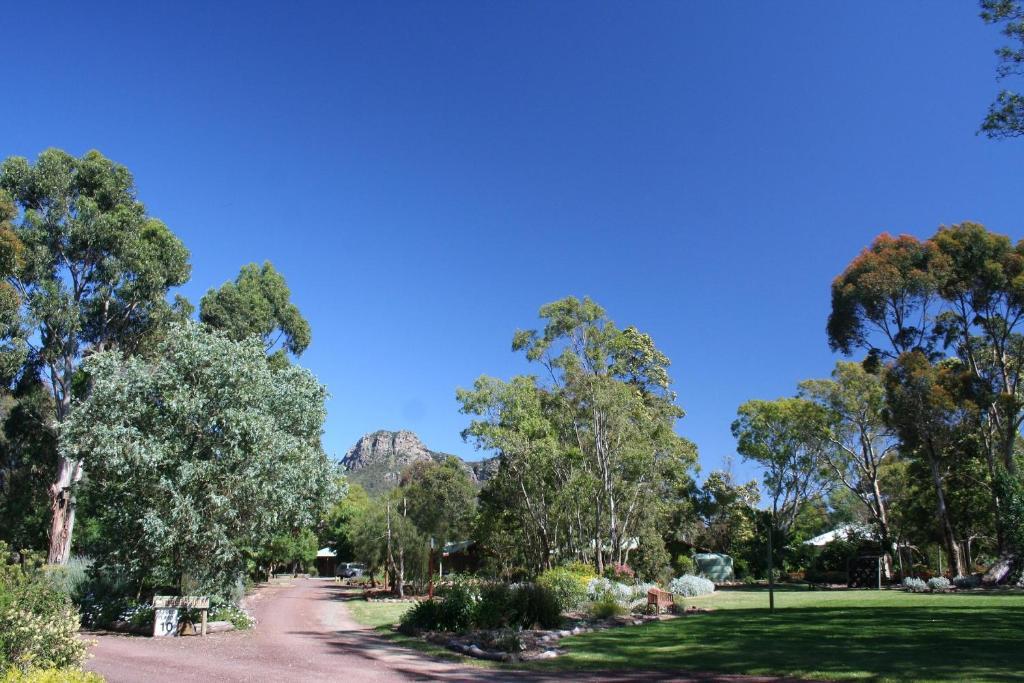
x,y
377,460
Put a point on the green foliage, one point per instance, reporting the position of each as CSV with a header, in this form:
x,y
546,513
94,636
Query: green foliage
x,y
202,455
535,606
440,499
28,459
495,607
463,606
938,584
296,550
683,564
607,606
238,617
784,437
598,437
428,615
257,304
1005,117
568,586
38,623
93,272
343,519
458,607
71,579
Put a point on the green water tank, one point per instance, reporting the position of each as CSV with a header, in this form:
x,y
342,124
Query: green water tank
x,y
714,566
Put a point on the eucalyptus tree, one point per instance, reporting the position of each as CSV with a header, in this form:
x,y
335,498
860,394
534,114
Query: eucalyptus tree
x,y
1005,117
618,411
784,436
514,419
859,440
960,292
885,301
202,454
930,416
440,499
92,274
258,303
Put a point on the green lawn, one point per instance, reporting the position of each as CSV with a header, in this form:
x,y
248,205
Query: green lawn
x,y
382,616
877,635
377,614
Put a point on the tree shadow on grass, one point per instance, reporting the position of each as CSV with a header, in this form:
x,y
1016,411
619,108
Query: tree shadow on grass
x,y
904,643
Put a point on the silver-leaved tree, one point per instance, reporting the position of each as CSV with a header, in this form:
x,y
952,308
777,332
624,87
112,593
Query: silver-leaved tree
x,y
201,452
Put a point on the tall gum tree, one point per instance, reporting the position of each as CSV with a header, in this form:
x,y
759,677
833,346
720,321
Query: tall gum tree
x,y
94,274
1005,117
617,410
959,292
859,442
258,303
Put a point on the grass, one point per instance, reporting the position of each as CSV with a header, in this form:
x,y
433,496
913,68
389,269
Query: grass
x,y
831,635
377,614
382,616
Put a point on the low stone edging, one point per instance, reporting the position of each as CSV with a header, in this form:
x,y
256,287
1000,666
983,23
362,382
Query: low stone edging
x,y
538,644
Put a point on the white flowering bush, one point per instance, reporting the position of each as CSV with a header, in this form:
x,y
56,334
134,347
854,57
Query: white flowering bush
x,y
915,585
691,586
609,597
938,584
601,589
38,623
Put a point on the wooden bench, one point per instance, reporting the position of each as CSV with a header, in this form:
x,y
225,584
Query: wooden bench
x,y
659,599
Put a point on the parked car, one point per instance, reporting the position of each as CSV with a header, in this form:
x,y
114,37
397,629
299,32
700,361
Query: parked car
x,y
350,570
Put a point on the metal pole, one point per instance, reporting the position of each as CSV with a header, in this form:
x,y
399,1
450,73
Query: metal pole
x,y
771,565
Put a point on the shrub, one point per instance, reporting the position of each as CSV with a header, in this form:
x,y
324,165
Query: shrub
x,y
535,605
915,585
494,609
38,623
620,572
971,581
683,564
569,588
458,608
605,607
691,586
424,616
581,568
939,584
238,617
72,578
600,589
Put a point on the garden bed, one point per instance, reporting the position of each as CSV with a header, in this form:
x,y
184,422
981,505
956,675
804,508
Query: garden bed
x,y
508,645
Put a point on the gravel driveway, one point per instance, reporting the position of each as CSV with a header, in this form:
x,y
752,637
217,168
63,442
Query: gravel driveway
x,y
304,633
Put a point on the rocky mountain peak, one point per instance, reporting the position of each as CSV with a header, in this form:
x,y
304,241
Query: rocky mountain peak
x,y
377,460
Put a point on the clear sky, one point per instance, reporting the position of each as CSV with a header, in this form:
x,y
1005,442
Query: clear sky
x,y
426,175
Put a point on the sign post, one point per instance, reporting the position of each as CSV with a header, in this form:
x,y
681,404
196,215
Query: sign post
x,y
166,616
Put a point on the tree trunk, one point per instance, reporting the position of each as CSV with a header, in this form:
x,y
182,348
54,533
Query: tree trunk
x,y
62,508
884,537
952,547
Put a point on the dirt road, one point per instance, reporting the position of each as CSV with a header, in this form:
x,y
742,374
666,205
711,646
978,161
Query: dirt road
x,y
304,633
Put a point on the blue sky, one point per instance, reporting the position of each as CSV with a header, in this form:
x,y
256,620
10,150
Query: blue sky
x,y
427,175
